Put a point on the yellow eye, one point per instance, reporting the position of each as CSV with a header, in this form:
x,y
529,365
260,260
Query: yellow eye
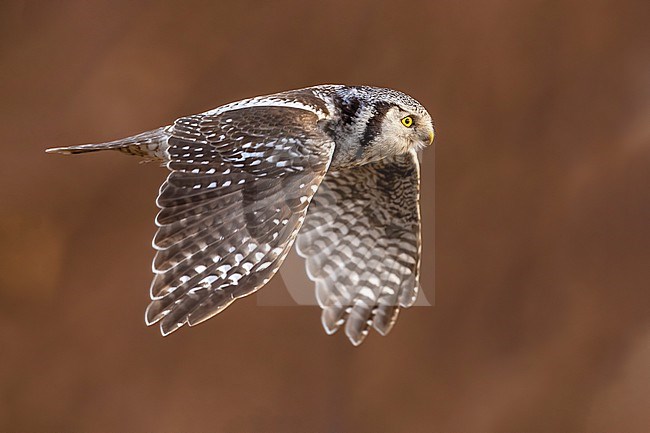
x,y
407,121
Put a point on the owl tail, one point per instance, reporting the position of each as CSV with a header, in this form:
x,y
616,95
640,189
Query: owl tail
x,y
150,144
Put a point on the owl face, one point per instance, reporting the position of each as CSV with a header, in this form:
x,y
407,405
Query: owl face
x,y
405,128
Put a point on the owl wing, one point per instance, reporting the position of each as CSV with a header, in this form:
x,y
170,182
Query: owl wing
x,y
361,242
238,191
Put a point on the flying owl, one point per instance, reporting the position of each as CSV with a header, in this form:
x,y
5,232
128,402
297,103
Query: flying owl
x,y
332,168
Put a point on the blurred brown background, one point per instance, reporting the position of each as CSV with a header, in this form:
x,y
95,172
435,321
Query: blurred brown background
x,y
542,210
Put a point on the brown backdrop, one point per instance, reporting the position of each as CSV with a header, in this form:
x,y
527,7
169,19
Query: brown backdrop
x,y
542,207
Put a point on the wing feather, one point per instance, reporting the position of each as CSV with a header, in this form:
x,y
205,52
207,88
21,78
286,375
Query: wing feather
x,y
230,209
361,242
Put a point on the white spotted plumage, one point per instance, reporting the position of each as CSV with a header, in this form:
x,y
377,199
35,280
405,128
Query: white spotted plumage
x,y
247,176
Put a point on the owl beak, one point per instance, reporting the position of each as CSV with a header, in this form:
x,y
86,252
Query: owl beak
x,y
427,136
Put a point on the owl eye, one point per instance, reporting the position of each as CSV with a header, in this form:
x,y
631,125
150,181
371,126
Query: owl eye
x,y
407,121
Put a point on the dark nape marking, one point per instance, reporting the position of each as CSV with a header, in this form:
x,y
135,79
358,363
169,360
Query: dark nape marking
x,y
373,128
349,109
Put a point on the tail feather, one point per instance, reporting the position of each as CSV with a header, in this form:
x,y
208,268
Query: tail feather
x,y
150,144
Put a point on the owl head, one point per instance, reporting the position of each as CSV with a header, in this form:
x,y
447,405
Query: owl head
x,y
383,122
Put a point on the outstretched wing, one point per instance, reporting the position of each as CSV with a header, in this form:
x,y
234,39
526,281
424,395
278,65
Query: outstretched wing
x,y
240,184
361,241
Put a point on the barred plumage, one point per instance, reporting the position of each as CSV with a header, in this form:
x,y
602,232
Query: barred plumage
x,y
361,242
242,179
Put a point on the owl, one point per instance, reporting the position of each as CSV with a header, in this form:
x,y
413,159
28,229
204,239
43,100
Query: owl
x,y
331,168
